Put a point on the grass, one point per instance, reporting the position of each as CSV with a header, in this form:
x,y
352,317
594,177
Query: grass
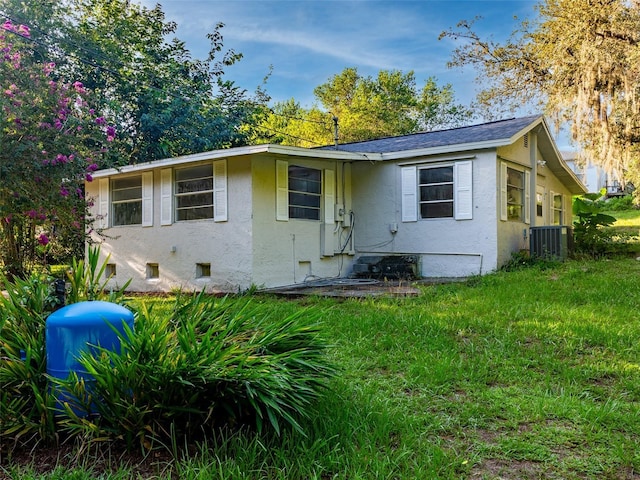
x,y
526,374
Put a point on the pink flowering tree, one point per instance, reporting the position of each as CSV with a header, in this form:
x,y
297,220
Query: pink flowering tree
x,y
51,140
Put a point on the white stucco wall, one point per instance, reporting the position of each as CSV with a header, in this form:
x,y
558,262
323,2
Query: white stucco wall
x,y
290,252
447,247
178,247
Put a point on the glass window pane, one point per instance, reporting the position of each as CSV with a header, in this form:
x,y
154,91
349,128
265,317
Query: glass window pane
x,y
436,175
557,201
198,213
194,200
515,178
126,194
304,185
129,213
304,200
201,171
436,210
436,192
304,213
196,185
126,182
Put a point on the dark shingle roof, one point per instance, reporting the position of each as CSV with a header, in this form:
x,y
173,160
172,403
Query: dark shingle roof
x,y
502,129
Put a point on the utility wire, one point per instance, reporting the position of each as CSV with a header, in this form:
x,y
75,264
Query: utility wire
x,y
268,129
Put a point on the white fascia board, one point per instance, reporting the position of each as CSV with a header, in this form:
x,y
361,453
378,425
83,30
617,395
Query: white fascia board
x,y
237,152
563,171
446,149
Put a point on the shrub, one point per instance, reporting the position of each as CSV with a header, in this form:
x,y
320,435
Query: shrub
x,y
522,259
589,232
214,362
617,204
209,362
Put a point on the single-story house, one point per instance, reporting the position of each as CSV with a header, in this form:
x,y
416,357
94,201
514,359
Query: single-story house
x,y
455,202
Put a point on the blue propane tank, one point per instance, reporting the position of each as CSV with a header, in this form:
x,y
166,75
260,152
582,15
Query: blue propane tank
x,y
80,327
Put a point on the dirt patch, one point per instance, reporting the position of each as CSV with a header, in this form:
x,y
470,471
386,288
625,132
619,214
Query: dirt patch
x,y
347,288
100,460
496,468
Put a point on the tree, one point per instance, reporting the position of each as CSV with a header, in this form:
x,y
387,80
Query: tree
x,y
164,102
51,142
366,107
578,62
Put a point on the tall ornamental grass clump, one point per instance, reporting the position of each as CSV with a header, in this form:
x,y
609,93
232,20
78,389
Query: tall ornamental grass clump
x,y
213,362
182,371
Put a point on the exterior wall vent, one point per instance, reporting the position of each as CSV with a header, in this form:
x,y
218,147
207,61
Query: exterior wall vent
x,y
525,140
551,241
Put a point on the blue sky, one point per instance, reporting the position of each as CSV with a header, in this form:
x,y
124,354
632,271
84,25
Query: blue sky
x,y
308,41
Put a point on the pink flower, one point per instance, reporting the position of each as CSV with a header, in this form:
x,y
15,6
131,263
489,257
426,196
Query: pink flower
x,y
31,213
101,121
88,177
43,239
79,87
24,30
111,133
64,192
93,167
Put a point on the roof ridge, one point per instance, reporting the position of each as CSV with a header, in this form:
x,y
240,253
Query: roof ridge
x,y
437,131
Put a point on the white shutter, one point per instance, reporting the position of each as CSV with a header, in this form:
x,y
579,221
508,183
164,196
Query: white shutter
x,y
282,190
552,216
220,191
503,191
409,194
463,201
327,230
103,203
527,197
166,194
147,199
329,196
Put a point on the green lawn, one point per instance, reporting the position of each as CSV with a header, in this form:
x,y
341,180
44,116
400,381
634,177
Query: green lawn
x,y
527,374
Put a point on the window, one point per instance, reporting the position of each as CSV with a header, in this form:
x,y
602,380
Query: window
x,y
126,201
540,204
194,192
436,192
203,270
557,209
305,189
153,271
515,195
